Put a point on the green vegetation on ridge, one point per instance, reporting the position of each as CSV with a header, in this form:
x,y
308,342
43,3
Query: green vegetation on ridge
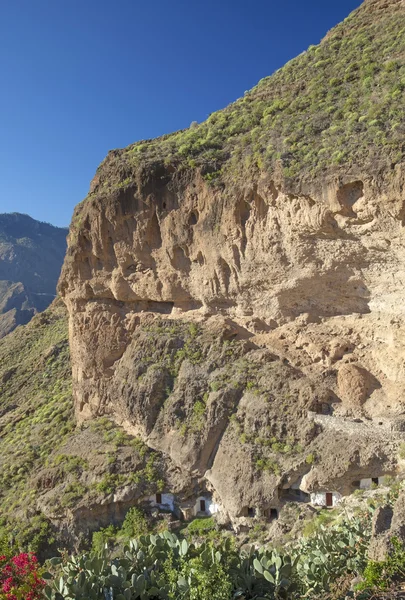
x,y
47,464
36,414
339,103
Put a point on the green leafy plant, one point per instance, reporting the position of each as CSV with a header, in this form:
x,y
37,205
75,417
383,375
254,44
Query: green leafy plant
x,y
331,551
380,575
135,523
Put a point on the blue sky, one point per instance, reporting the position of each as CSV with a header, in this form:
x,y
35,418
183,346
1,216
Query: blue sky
x,y
80,77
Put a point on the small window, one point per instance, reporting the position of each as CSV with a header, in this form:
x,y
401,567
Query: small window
x,y
251,511
158,498
374,480
202,506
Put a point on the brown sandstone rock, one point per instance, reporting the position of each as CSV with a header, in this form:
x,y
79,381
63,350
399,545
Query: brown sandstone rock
x,y
388,523
214,320
271,281
354,385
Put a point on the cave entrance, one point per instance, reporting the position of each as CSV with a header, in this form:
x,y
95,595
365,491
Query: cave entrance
x,y
271,514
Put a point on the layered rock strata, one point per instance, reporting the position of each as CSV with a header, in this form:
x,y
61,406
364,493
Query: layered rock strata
x,y
305,295
236,298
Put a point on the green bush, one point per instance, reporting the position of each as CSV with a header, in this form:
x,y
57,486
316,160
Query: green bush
x,y
380,575
135,523
331,552
207,580
200,527
167,568
102,538
310,459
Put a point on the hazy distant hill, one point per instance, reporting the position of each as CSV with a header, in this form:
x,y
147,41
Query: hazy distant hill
x,y
31,255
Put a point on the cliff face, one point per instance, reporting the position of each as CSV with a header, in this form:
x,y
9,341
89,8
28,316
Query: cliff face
x,y
31,256
216,311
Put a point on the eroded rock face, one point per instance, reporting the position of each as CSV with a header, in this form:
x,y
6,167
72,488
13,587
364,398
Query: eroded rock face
x,y
355,385
211,321
388,523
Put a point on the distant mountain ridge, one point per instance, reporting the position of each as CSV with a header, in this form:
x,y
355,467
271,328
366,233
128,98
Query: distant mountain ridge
x,y
31,256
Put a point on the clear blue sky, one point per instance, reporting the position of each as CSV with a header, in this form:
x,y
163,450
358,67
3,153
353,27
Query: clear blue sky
x,y
80,77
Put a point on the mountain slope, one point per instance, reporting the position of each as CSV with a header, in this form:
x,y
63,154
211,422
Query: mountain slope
x,y
235,289
237,312
58,482
31,255
337,106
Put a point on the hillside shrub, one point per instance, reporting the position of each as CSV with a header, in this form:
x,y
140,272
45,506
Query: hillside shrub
x,y
103,537
135,523
202,527
380,575
165,567
331,552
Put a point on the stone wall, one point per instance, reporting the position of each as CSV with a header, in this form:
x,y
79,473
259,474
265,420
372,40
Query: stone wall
x,y
380,428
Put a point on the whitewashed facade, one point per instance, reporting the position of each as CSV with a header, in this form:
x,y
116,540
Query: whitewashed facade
x,y
206,506
327,499
369,483
163,501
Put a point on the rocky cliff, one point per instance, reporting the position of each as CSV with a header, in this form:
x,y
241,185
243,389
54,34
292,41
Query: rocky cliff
x,y
235,290
31,256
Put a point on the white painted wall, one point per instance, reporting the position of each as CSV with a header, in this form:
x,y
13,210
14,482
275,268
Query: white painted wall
x,y
210,507
367,484
319,498
167,501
